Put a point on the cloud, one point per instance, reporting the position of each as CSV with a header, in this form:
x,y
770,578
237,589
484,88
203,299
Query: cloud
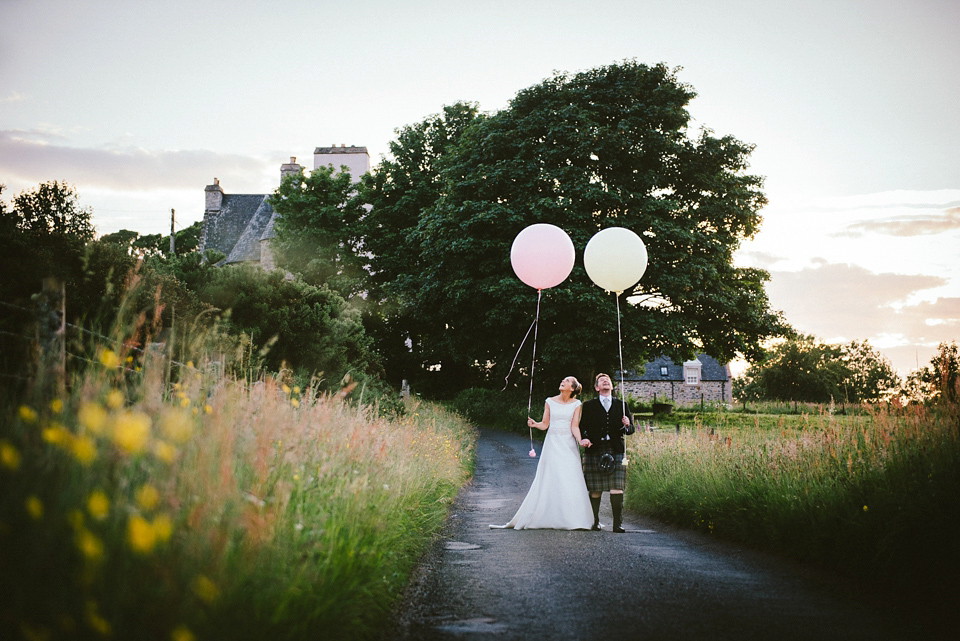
x,y
901,198
36,156
761,259
841,302
13,97
903,226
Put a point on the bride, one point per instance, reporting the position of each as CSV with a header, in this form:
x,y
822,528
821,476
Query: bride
x,y
558,498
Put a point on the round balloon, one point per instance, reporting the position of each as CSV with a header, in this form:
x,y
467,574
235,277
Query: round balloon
x,y
542,255
615,259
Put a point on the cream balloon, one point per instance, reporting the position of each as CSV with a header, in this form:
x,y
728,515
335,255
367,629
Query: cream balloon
x,y
615,259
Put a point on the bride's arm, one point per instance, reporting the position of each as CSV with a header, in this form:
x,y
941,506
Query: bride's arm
x,y
545,423
575,428
575,424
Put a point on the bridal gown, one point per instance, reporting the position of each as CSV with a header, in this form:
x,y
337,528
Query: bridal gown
x,y
558,498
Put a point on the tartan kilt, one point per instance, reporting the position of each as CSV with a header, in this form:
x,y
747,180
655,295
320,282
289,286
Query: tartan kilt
x,y
598,481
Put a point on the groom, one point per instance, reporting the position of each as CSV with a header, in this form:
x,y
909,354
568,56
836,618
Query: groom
x,y
603,423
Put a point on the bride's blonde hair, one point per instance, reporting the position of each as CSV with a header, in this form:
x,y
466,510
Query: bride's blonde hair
x,y
577,387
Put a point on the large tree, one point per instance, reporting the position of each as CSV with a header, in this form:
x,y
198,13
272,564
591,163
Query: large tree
x,y
401,190
602,148
316,219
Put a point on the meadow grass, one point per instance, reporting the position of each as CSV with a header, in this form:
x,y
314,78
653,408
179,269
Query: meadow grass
x,y
213,508
875,494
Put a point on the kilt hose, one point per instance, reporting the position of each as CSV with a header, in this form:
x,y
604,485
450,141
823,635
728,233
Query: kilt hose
x,y
599,481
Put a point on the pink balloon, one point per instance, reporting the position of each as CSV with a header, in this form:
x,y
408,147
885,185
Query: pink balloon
x,y
542,255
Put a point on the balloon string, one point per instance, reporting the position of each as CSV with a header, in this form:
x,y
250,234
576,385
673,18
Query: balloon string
x,y
533,364
506,379
620,348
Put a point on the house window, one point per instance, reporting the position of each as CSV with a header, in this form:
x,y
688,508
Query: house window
x,y
663,370
691,372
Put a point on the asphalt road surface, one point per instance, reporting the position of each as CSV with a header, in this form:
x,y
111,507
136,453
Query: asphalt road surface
x,y
653,582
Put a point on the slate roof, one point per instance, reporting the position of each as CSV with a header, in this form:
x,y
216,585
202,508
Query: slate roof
x,y
242,223
710,370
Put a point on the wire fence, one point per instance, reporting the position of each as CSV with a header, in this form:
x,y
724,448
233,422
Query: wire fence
x,y
82,330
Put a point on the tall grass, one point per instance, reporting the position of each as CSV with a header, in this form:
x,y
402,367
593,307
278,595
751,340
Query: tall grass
x,y
876,495
214,508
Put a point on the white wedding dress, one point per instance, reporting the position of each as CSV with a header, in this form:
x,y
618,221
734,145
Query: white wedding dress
x,y
558,498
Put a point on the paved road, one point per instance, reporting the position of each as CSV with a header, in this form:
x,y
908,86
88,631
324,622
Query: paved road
x,y
654,582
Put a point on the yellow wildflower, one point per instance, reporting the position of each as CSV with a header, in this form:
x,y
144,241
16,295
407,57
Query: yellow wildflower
x,y
9,456
286,389
207,409
115,399
131,430
56,405
84,449
98,505
163,527
190,364
56,435
141,535
109,358
184,402
34,507
147,497
27,414
89,545
177,426
296,389
129,359
865,508
95,621
205,589
164,451
182,633
295,402
93,417
31,633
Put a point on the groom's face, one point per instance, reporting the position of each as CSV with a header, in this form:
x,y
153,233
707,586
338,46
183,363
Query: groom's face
x,y
604,386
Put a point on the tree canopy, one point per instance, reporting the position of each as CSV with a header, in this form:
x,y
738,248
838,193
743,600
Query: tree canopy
x,y
602,148
316,219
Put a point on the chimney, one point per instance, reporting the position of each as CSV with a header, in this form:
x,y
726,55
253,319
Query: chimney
x,y
290,168
214,196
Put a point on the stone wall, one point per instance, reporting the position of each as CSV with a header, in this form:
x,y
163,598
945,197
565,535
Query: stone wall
x,y
679,392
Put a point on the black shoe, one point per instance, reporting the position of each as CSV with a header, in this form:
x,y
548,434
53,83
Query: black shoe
x,y
595,527
618,529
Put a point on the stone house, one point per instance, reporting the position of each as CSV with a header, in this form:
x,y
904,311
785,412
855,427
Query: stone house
x,y
241,225
703,379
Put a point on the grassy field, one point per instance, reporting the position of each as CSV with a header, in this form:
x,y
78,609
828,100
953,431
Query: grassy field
x,y
874,493
214,509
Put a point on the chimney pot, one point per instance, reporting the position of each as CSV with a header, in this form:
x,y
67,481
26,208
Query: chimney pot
x,y
293,160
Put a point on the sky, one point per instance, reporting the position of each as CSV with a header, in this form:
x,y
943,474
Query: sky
x,y
852,106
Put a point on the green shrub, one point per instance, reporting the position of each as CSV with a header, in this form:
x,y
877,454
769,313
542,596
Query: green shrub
x,y
489,408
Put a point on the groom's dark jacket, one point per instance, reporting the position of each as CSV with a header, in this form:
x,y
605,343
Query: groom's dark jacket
x,y
596,424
